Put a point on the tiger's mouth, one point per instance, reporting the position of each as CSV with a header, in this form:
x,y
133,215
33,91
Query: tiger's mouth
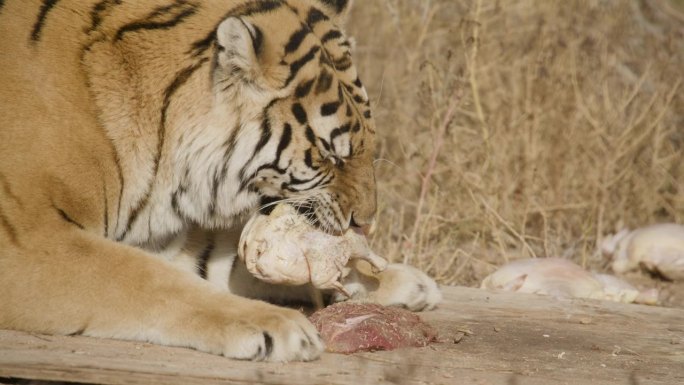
x,y
322,217
321,214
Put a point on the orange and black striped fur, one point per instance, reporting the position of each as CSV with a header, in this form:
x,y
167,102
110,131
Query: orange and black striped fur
x,y
136,136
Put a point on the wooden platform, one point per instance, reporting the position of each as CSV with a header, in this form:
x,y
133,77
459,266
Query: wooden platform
x,y
489,339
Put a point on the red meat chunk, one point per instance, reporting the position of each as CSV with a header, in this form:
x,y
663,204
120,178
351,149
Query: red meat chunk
x,y
348,327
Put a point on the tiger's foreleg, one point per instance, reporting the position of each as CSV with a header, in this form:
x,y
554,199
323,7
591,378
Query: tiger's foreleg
x,y
73,282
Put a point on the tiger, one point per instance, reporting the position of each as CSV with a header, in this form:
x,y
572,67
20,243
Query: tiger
x,y
136,139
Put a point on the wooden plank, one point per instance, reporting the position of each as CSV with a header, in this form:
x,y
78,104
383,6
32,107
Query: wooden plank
x,y
516,339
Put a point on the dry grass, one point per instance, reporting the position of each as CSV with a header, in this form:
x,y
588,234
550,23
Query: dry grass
x,y
521,128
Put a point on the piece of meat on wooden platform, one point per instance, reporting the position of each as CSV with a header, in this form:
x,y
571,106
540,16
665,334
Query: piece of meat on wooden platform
x,y
349,327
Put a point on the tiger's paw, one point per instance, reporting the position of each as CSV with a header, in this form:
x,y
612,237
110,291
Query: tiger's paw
x,y
398,285
261,333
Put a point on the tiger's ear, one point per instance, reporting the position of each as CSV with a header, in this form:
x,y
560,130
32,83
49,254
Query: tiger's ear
x,y
337,10
239,44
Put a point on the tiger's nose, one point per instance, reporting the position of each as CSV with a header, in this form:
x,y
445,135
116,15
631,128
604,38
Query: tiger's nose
x,y
362,227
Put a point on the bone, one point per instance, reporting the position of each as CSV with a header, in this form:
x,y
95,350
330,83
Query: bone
x,y
658,248
561,278
284,248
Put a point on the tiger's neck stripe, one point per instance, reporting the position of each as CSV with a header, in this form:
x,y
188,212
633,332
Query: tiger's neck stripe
x,y
98,11
47,6
151,22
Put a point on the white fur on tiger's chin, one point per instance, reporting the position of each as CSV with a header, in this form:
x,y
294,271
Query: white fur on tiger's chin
x,y
284,248
561,278
658,248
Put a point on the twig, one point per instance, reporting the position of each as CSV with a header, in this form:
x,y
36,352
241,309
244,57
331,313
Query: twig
x,y
509,227
472,70
438,142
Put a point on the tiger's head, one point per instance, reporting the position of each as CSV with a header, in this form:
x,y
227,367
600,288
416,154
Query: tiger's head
x,y
306,134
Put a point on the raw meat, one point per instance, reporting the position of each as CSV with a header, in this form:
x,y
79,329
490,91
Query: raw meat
x,y
284,248
350,327
563,279
658,248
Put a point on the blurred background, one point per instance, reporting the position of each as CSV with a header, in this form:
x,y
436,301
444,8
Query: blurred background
x,y
511,129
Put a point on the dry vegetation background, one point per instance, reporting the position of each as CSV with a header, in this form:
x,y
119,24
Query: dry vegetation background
x,y
510,129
